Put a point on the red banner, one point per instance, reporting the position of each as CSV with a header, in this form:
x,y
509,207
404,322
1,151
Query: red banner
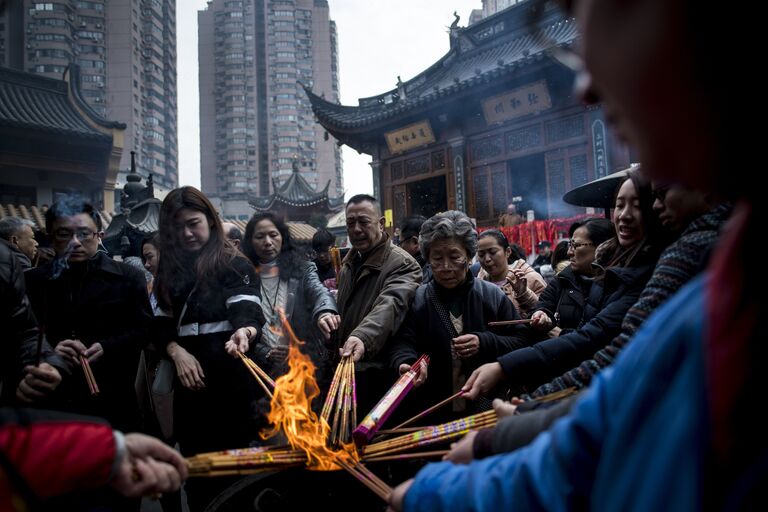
x,y
528,234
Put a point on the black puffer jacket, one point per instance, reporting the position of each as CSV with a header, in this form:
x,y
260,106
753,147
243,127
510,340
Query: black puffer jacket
x,y
564,298
608,302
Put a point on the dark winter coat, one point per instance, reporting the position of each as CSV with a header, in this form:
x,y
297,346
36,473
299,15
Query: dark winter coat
x,y
564,298
423,332
225,413
99,301
609,300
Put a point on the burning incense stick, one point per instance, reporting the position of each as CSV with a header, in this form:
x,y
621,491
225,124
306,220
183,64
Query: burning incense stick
x,y
370,480
510,322
429,410
89,378
335,253
256,374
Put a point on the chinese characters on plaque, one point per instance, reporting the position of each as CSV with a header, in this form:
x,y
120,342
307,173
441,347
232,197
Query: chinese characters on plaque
x,y
412,136
528,99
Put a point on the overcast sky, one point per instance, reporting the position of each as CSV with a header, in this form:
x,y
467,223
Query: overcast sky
x,y
378,40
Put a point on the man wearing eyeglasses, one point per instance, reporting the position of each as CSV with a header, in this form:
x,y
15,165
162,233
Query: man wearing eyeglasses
x,y
92,307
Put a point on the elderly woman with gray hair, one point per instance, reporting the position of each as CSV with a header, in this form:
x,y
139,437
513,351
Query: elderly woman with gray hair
x,y
448,318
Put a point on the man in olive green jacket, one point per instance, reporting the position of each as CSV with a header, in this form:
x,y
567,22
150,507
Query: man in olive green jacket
x,y
376,284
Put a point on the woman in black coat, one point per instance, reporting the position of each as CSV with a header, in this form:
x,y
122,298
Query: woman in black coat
x,y
448,318
561,305
206,299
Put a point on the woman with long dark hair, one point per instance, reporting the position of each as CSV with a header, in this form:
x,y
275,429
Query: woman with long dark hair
x,y
288,281
206,297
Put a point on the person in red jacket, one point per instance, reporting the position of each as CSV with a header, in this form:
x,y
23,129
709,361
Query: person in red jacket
x,y
45,455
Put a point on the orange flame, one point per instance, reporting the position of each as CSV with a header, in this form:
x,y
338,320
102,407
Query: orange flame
x,y
291,409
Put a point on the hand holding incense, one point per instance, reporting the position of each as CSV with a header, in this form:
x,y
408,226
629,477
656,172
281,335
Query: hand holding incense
x,y
379,414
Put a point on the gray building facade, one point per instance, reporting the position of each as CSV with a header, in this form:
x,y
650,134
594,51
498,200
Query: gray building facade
x,y
255,118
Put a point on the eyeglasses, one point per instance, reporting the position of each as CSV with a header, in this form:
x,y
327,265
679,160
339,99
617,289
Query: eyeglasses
x,y
65,235
575,245
450,262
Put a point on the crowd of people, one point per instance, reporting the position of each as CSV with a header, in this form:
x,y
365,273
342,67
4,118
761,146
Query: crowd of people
x,y
652,323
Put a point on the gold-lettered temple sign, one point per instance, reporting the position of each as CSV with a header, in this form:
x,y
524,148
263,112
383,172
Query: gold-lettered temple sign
x,y
528,99
412,136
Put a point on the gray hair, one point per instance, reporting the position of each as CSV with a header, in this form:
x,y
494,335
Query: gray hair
x,y
12,226
447,225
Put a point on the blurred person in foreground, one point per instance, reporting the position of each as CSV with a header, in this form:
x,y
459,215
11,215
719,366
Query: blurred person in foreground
x,y
700,358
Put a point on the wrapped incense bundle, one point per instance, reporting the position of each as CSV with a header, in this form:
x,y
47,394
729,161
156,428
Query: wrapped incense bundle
x,y
245,461
379,414
430,435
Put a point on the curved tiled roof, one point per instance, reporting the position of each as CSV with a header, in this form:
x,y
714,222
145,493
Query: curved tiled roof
x,y
39,103
296,191
483,53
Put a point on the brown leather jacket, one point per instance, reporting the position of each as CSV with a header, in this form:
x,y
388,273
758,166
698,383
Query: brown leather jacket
x,y
373,303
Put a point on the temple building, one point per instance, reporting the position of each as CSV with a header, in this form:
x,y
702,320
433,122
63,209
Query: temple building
x,y
493,122
53,143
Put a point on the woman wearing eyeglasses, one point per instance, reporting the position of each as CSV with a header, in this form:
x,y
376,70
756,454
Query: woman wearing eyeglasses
x,y
206,298
448,318
561,305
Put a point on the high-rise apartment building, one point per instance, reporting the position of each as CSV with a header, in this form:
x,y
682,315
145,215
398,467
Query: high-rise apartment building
x,y
255,118
126,51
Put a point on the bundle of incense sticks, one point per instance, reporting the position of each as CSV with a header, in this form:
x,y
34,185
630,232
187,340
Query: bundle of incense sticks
x,y
343,394
335,253
382,410
361,473
89,378
430,435
245,461
264,380
510,322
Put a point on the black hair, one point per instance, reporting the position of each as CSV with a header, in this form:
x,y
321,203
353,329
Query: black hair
x,y
361,198
411,226
322,240
68,207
